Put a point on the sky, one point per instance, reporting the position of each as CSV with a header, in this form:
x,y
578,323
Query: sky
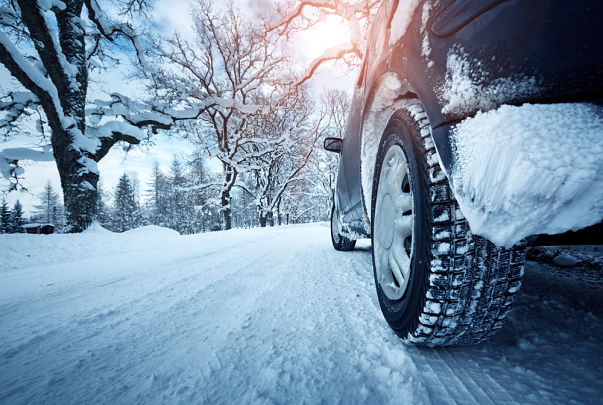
x,y
170,16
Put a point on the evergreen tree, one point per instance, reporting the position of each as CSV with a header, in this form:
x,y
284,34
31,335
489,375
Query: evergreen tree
x,y
178,209
48,209
16,218
158,197
126,212
5,223
138,218
103,214
198,195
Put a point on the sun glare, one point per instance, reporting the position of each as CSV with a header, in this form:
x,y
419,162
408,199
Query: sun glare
x,y
330,32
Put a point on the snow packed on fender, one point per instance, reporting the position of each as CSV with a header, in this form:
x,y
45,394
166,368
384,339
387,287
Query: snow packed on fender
x,y
530,169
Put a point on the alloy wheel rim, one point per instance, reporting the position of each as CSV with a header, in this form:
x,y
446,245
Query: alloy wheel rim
x,y
393,225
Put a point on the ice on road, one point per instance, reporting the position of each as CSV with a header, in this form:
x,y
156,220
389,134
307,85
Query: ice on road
x,y
265,316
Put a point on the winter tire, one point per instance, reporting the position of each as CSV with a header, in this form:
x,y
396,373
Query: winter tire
x,y
437,283
339,241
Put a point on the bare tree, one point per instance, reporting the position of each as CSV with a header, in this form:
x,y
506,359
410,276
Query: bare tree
x,y
51,47
324,164
289,134
43,44
232,59
311,197
300,15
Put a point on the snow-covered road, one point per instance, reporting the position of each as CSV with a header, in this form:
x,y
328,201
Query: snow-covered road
x,y
265,316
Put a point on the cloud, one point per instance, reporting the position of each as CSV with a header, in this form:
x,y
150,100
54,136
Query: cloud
x,y
174,16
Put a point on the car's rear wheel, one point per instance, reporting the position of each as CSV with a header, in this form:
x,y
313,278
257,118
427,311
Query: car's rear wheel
x,y
437,283
339,241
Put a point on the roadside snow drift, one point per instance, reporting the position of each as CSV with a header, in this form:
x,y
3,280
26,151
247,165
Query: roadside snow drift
x,y
528,170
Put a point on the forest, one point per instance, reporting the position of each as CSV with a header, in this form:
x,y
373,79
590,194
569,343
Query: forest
x,y
235,89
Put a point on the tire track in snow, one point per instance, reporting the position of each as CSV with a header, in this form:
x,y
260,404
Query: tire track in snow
x,y
129,314
275,316
314,344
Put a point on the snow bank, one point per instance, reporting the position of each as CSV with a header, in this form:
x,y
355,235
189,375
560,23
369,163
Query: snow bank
x,y
18,251
22,250
95,227
153,231
529,170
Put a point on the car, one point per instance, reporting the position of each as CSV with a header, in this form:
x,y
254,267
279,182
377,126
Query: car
x,y
456,106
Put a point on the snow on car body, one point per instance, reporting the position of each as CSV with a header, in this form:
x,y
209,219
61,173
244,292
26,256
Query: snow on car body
x,y
435,77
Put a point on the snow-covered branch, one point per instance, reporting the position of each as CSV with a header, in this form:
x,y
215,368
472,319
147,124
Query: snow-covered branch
x,y
9,162
338,52
20,104
110,30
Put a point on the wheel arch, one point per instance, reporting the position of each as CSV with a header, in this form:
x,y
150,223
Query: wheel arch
x,y
389,93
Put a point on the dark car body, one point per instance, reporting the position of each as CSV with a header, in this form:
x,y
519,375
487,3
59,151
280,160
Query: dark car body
x,y
516,51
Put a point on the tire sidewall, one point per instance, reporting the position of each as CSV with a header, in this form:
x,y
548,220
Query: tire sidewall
x,y
403,314
336,244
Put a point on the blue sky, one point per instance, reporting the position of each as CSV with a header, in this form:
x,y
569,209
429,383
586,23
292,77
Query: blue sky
x,y
170,16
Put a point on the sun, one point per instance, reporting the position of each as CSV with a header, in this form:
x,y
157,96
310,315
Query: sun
x,y
328,33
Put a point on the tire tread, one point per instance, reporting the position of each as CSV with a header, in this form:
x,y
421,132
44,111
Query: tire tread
x,y
471,282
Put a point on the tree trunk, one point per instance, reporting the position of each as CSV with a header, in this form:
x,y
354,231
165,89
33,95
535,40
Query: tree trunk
x,y
77,169
226,210
79,185
270,218
262,218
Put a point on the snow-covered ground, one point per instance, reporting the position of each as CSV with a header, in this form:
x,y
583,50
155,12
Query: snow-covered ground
x,y
266,316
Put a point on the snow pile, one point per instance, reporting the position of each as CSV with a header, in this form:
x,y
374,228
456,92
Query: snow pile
x,y
585,256
529,170
95,227
96,241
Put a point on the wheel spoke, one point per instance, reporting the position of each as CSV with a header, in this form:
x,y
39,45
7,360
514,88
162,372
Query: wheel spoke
x,y
391,167
397,270
404,202
401,258
383,258
403,228
395,176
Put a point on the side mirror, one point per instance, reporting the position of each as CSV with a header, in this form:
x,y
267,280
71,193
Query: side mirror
x,y
333,144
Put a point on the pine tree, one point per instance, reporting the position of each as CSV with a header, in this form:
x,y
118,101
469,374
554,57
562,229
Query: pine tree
x,y
178,209
5,223
103,215
126,211
158,196
198,195
16,218
47,210
137,215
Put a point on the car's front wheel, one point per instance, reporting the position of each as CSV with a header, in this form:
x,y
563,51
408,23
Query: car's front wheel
x,y
437,283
